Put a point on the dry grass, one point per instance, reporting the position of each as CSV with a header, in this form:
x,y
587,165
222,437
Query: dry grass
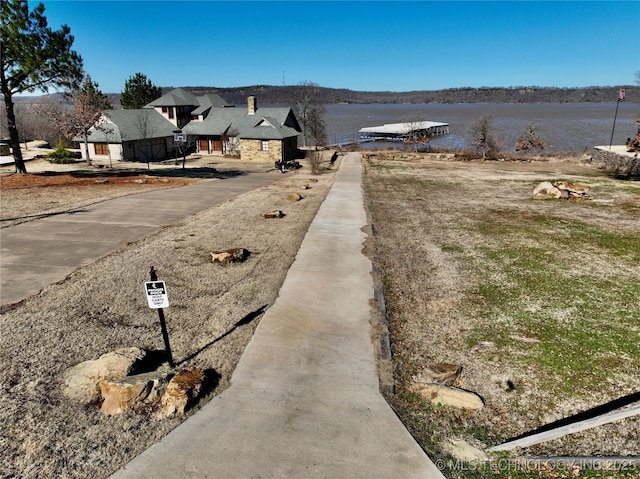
x,y
537,300
101,307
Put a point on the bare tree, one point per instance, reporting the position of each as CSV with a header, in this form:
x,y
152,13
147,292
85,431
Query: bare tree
x,y
529,139
416,133
145,130
484,138
230,143
317,127
45,114
88,103
106,127
309,110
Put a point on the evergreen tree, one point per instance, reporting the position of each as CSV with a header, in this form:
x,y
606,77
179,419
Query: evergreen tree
x,y
139,91
33,57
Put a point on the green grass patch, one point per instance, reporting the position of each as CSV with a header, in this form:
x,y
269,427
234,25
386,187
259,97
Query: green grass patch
x,y
582,317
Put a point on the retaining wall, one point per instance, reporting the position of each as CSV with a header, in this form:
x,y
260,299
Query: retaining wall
x,y
616,159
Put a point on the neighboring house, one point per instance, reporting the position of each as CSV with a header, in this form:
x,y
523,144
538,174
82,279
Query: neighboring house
x,y
263,134
133,135
210,123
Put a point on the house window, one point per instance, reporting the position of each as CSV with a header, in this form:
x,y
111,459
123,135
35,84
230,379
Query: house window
x,y
264,145
165,109
171,112
195,117
101,148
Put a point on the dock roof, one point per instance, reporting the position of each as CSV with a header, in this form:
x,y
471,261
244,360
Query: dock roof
x,y
400,129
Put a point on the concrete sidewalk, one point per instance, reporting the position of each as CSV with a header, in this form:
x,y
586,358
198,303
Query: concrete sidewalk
x,y
38,253
304,399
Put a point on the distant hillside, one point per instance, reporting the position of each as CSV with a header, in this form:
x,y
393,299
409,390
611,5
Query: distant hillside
x,y
285,95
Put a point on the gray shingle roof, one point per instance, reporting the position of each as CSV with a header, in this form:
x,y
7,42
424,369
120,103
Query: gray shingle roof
x,y
268,129
206,102
177,97
282,123
267,123
131,125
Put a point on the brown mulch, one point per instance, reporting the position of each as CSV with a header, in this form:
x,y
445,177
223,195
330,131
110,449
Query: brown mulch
x,y
17,181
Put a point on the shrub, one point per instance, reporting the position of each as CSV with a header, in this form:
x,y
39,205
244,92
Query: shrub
x,y
61,155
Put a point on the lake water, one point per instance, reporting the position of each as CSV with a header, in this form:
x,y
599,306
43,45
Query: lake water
x,y
565,127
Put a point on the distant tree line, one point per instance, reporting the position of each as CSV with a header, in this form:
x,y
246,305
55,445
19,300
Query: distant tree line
x,y
286,95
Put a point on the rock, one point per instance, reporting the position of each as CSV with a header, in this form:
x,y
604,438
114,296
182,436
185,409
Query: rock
x,y
305,186
141,181
449,396
234,255
80,382
464,451
273,214
130,392
573,191
102,181
182,388
312,180
569,186
294,197
546,190
442,373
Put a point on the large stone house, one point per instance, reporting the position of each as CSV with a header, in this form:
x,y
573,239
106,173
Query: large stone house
x,y
210,124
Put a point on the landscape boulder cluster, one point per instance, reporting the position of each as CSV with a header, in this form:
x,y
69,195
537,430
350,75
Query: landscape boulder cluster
x,y
561,190
116,379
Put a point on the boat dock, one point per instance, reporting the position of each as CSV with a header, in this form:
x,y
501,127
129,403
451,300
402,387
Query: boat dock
x,y
402,131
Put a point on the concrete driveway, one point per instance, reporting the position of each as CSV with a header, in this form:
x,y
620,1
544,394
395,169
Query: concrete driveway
x,y
41,252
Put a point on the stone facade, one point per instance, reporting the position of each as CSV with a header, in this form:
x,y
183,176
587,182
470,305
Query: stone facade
x,y
253,150
616,160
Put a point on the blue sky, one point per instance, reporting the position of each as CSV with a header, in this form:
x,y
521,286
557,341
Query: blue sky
x,y
361,45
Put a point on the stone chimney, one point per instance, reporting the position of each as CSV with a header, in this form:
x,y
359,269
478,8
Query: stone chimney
x,y
252,104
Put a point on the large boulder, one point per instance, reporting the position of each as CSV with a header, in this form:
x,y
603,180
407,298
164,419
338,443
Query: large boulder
x,y
131,392
80,382
546,190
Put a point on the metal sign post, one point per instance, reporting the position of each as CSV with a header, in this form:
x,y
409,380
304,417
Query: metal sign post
x,y
621,96
158,298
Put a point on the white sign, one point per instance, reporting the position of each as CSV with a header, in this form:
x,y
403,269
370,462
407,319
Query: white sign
x,y
157,296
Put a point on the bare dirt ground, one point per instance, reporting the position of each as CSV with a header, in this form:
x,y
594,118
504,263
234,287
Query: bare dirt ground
x,y
537,300
99,308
